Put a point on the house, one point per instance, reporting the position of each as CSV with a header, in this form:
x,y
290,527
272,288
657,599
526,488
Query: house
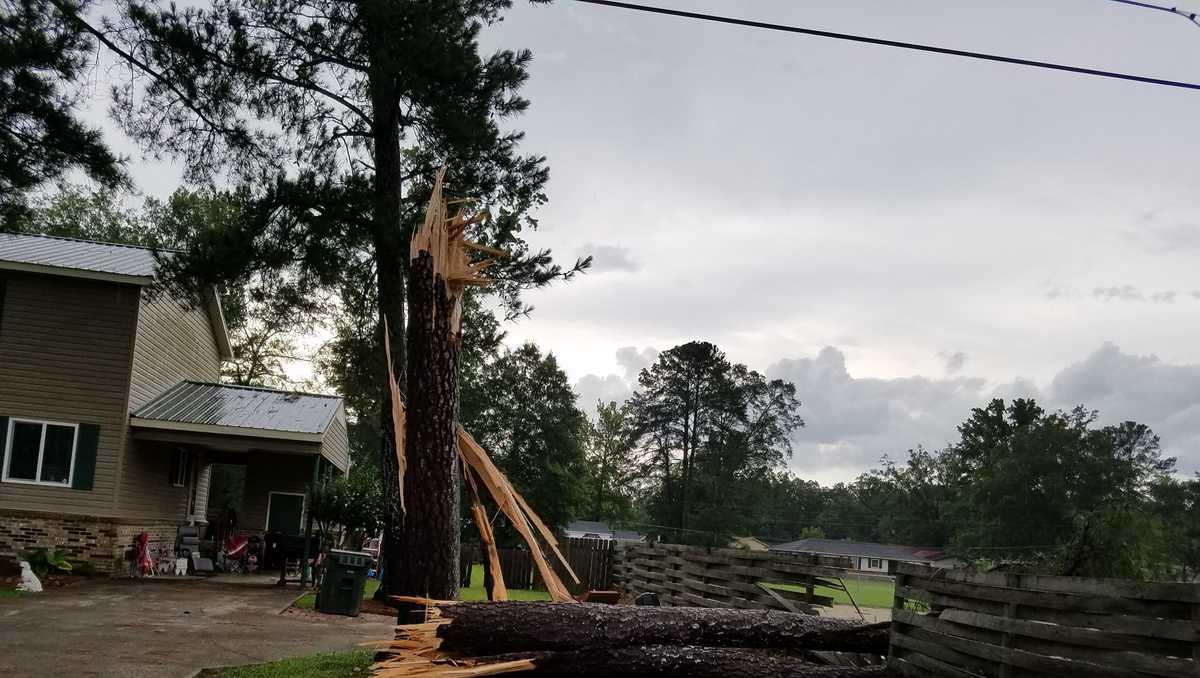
x,y
870,557
594,529
111,415
749,544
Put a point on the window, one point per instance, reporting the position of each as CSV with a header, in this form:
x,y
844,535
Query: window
x,y
180,468
40,452
874,564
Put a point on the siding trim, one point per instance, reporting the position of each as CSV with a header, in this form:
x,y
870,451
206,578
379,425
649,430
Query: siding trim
x,y
141,281
245,432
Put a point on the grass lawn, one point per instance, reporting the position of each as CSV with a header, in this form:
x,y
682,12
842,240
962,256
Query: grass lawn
x,y
336,665
9,594
476,591
867,592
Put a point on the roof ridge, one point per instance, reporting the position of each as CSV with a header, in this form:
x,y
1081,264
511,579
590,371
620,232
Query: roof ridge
x,y
92,242
264,389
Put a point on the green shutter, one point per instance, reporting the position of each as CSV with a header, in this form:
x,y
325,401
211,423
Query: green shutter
x,y
85,457
3,440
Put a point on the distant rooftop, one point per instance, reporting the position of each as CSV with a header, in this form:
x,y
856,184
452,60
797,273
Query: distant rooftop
x,y
839,547
63,255
243,407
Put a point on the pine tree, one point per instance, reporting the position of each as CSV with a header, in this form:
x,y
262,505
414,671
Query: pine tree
x,y
340,112
43,55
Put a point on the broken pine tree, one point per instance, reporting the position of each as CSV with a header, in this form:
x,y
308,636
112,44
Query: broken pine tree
x,y
427,437
477,639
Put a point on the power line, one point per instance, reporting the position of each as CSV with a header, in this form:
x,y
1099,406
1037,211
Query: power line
x,y
895,43
1190,16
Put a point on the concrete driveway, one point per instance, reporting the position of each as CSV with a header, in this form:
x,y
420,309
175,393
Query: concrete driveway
x,y
167,628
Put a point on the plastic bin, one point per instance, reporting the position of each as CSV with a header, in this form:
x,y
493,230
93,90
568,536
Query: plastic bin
x,y
342,586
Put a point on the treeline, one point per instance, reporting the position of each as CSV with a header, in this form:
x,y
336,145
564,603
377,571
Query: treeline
x,y
698,455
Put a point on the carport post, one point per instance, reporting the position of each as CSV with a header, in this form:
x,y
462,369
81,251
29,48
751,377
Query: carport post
x,y
308,521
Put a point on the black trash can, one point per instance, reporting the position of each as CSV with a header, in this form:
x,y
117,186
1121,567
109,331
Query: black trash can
x,y
341,589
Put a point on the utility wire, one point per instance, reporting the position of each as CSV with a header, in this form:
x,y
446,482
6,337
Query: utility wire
x,y
1190,16
895,43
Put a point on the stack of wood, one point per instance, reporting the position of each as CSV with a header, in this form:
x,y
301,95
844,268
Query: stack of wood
x,y
556,639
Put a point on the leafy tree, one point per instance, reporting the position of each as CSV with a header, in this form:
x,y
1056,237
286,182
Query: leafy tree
x,y
347,507
43,56
704,423
341,111
1176,505
612,465
535,432
1027,483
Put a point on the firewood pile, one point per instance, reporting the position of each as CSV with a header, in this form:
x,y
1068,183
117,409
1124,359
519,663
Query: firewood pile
x,y
561,639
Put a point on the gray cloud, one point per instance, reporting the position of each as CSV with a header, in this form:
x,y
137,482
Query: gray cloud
x,y
953,361
852,422
607,258
1114,293
634,361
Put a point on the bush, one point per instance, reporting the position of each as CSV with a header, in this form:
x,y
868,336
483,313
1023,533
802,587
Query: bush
x,y
41,561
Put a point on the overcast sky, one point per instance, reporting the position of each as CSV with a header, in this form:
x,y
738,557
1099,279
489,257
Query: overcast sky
x,y
902,235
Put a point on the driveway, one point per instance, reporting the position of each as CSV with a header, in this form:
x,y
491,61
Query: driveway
x,y
167,628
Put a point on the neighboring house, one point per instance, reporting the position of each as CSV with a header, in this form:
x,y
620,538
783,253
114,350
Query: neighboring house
x,y
594,529
110,415
870,557
749,544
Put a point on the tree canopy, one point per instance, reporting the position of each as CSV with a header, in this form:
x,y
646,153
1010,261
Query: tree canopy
x,y
44,55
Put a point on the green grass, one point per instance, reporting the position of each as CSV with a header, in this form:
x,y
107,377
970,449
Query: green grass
x,y
308,600
476,591
9,594
336,665
866,592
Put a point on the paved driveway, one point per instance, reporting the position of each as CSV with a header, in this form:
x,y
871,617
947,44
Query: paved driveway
x,y
166,628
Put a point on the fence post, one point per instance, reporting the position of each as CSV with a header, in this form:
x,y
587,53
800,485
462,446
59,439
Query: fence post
x,y
897,604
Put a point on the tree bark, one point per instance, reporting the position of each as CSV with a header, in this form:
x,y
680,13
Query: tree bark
x,y
428,541
496,628
391,264
666,661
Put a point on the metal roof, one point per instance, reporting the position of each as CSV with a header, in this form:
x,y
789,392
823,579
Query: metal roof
x,y
244,407
839,547
69,254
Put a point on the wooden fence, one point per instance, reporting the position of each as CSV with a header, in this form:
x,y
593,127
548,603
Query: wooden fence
x,y
696,576
996,625
591,559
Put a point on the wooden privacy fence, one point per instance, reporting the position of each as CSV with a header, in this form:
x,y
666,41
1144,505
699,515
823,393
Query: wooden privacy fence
x,y
995,625
591,559
697,576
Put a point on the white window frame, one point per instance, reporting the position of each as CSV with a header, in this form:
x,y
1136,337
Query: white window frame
x,y
874,563
8,452
303,508
183,458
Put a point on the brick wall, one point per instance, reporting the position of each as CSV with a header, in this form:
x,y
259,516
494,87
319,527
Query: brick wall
x,y
99,541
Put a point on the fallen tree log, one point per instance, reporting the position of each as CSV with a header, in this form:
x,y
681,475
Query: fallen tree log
x,y
474,629
665,661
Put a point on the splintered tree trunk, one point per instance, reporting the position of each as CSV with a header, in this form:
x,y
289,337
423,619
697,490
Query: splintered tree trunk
x,y
428,541
660,661
497,628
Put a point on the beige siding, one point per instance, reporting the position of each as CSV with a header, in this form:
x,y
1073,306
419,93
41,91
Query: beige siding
x,y
335,445
65,351
174,344
266,473
146,491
